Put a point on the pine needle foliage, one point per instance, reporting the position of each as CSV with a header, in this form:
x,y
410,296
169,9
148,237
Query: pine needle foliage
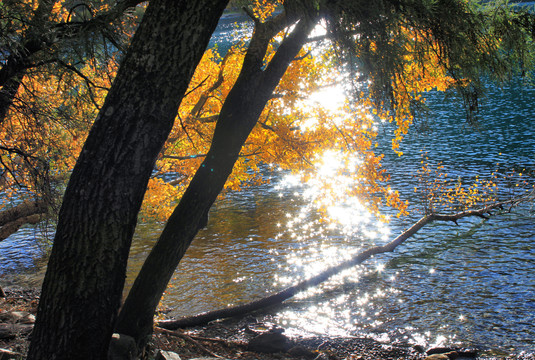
x,y
471,40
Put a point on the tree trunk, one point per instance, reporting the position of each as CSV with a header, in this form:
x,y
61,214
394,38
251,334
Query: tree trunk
x,y
237,118
7,95
85,276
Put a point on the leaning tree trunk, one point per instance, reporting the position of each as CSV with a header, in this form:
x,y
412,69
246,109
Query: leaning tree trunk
x,y
7,96
84,281
237,118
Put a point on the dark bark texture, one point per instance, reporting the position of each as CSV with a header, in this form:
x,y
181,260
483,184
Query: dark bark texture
x,y
238,116
85,276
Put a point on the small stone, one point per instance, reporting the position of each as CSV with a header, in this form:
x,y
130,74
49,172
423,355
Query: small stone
x,y
122,347
17,317
419,348
167,355
301,351
445,356
270,342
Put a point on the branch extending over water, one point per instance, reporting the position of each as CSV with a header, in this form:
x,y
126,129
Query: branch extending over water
x,y
289,292
27,212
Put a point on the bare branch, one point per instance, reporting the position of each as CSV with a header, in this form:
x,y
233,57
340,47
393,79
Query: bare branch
x,y
328,273
87,81
302,57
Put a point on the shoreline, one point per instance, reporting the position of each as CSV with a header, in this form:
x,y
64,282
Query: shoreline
x,y
234,339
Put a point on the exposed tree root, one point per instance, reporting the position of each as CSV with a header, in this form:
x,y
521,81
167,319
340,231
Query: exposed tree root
x,y
289,292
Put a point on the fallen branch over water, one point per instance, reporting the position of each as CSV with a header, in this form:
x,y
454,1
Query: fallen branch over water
x,y
27,212
289,292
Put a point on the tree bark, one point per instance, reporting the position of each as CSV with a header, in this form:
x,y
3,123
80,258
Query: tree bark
x,y
279,297
83,284
237,118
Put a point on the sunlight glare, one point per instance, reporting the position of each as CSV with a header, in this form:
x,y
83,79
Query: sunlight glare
x,y
331,98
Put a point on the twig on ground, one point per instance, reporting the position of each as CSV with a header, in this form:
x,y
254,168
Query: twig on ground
x,y
190,339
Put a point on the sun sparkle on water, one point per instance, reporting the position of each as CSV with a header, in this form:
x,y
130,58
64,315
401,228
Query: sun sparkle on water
x,y
346,221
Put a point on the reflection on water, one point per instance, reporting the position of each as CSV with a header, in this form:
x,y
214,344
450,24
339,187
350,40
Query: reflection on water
x,y
23,257
471,283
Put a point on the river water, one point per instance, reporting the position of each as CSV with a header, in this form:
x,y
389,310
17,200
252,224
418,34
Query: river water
x,y
471,284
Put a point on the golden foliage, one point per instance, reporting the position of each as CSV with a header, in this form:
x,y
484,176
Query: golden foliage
x,y
298,130
263,9
441,194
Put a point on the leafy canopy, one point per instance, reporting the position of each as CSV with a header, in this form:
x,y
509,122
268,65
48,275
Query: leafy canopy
x,y
385,55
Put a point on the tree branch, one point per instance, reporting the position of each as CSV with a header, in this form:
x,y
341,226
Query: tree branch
x,y
14,226
289,292
251,15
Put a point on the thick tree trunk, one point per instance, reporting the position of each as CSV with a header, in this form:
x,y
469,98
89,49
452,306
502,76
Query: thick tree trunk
x,y
84,281
238,116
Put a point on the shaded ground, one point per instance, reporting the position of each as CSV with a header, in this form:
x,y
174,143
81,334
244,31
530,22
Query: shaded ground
x,y
233,339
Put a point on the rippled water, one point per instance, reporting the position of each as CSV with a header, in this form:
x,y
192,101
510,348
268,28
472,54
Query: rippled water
x,y
471,283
